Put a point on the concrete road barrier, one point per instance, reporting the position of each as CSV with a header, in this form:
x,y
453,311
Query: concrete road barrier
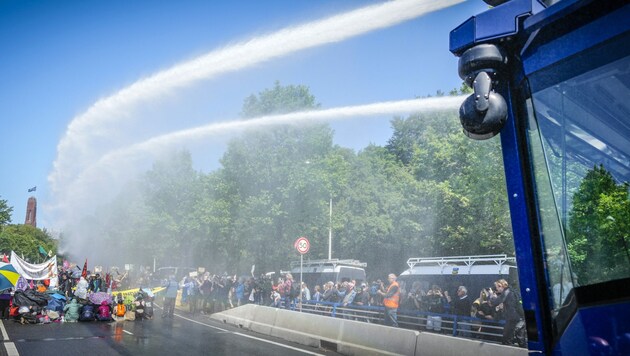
x,y
355,338
430,344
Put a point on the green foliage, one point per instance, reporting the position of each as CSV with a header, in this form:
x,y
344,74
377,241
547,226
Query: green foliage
x,y
599,225
429,191
5,212
279,100
25,240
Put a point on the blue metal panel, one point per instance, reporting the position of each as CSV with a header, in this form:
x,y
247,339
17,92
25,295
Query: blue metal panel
x,y
598,330
542,55
463,36
525,254
498,22
502,20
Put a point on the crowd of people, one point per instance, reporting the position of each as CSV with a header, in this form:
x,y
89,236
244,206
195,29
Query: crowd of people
x,y
208,293
88,297
498,303
76,296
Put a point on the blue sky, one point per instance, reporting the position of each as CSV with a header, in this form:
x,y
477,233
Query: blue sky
x,y
59,57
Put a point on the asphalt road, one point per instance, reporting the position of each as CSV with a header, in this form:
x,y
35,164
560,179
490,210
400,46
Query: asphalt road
x,y
182,335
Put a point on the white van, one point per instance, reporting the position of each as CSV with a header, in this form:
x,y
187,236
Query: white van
x,y
318,272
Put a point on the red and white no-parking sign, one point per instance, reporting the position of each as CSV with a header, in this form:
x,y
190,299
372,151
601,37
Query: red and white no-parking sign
x,y
302,245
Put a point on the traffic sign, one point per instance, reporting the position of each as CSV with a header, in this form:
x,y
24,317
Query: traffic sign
x,y
302,245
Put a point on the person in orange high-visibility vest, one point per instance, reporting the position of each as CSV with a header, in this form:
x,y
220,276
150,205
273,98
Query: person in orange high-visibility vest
x,y
391,299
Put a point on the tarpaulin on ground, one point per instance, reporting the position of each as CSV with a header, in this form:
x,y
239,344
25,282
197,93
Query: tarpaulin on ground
x,y
38,272
30,297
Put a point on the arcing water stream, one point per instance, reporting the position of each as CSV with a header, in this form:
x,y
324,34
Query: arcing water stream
x,y
77,148
112,169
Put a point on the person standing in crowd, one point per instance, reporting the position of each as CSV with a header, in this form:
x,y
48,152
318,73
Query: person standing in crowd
x,y
169,298
239,291
286,290
306,293
435,304
461,306
206,291
391,299
317,295
507,301
348,299
481,309
82,286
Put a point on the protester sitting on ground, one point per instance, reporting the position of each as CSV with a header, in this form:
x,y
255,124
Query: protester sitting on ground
x,y
120,309
72,311
104,312
87,313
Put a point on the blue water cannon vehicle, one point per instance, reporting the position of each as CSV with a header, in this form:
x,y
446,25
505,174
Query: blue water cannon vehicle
x,y
552,78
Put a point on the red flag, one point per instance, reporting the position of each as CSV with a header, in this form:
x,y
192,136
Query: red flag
x,y
84,272
5,259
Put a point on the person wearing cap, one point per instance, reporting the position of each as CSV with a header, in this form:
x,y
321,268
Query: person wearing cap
x,y
391,300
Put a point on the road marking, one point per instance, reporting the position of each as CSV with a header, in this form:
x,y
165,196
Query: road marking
x,y
11,349
9,346
5,336
277,343
127,332
200,323
224,331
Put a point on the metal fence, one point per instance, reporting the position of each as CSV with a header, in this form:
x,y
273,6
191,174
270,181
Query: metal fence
x,y
455,325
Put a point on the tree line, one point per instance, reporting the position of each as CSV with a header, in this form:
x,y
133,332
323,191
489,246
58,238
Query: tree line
x,y
430,191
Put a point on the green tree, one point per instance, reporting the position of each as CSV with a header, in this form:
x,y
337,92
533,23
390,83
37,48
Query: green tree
x,y
5,212
279,100
471,212
273,180
25,240
598,238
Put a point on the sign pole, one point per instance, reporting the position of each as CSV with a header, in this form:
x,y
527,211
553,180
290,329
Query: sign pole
x,y
302,246
301,266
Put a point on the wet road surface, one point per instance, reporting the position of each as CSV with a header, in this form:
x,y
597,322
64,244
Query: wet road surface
x,y
183,335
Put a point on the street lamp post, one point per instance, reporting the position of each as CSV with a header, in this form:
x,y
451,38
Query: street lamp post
x,y
330,230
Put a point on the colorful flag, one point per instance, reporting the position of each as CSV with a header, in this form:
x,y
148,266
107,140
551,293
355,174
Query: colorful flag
x,y
42,251
84,272
32,189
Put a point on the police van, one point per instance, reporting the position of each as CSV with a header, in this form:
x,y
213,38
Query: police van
x,y
318,272
473,272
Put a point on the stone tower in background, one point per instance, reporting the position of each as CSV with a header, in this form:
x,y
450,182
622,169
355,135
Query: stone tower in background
x,y
31,212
